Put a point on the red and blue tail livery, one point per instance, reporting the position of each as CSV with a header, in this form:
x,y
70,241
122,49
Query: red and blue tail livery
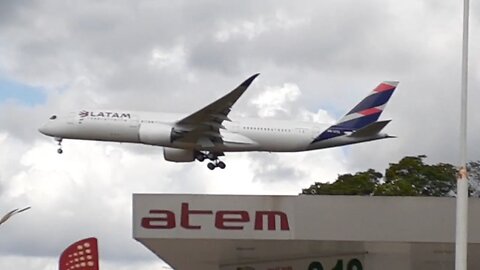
x,y
363,114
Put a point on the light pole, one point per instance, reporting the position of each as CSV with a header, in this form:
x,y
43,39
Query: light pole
x,y
461,233
12,213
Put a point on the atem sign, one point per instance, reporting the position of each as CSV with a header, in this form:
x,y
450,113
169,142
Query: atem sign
x,y
221,219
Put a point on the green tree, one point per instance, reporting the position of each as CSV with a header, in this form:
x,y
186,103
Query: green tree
x,y
412,177
473,168
409,177
361,183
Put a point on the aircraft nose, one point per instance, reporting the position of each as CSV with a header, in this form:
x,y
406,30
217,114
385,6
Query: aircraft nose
x,y
44,130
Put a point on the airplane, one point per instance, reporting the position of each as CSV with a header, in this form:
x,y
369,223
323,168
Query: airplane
x,y
209,133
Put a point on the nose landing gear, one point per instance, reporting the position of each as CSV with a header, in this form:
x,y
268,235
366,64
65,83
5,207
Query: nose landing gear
x,y
59,140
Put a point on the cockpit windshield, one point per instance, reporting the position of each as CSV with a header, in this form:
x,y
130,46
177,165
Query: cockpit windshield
x,y
53,117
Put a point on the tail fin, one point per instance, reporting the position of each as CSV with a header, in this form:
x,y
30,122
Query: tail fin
x,y
369,109
363,114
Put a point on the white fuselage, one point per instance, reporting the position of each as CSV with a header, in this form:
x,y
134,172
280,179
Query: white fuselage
x,y
245,135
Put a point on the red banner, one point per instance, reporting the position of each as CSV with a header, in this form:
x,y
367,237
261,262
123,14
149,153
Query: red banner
x,y
82,255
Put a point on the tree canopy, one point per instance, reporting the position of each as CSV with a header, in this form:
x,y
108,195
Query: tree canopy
x,y
409,177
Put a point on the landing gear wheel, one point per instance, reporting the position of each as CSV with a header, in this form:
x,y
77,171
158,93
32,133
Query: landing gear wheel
x,y
59,140
211,166
215,162
221,165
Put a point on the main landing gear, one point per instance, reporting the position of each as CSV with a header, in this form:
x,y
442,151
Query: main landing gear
x,y
59,140
215,162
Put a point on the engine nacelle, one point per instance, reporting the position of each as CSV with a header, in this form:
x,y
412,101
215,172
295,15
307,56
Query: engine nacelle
x,y
178,155
155,134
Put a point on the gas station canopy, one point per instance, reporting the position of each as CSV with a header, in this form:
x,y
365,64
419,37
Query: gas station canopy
x,y
231,232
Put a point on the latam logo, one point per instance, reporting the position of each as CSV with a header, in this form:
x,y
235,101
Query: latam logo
x,y
84,113
221,219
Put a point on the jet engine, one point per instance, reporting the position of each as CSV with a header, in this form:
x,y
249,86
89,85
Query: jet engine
x,y
155,134
178,155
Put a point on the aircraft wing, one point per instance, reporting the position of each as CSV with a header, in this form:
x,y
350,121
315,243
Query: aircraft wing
x,y
203,126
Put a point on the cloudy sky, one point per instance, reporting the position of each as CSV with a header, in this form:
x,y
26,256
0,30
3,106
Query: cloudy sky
x,y
316,59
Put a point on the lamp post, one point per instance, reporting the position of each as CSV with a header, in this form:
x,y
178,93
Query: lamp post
x,y
12,213
461,233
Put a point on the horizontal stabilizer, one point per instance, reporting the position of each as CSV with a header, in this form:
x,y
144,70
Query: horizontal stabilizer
x,y
370,130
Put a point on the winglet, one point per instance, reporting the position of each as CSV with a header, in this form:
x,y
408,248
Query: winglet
x,y
248,81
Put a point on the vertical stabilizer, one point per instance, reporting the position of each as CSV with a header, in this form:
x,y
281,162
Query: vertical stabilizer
x,y
363,114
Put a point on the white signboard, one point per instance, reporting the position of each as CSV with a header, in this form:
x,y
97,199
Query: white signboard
x,y
220,217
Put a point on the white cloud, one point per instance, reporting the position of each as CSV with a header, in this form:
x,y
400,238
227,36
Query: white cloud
x,y
168,59
321,116
248,29
251,29
276,99
27,262
46,263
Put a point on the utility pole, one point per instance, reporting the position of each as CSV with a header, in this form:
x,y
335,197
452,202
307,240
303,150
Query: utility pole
x,y
461,233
